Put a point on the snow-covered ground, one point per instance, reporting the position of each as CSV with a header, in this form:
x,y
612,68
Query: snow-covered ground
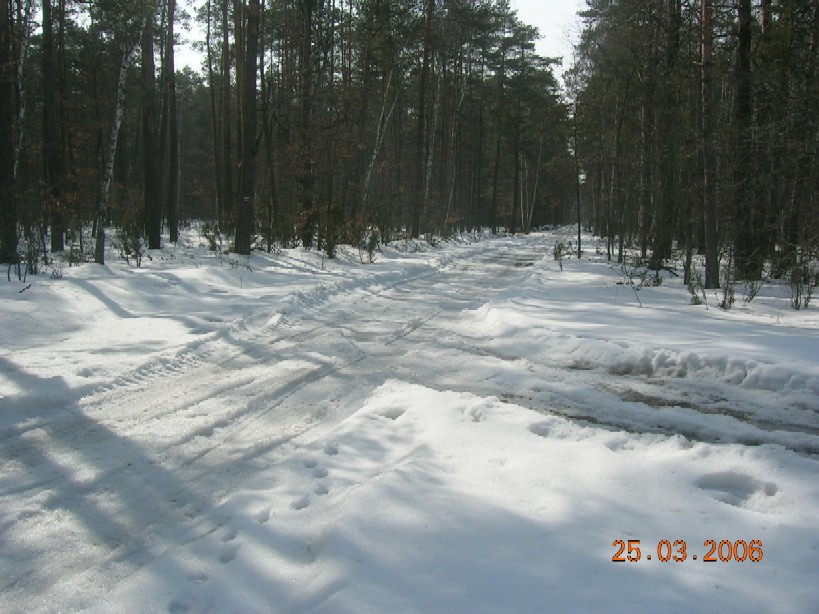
x,y
464,428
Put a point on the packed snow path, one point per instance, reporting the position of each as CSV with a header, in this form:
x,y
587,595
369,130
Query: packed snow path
x,y
192,417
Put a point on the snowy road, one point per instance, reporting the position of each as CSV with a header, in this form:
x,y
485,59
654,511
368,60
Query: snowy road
x,y
171,390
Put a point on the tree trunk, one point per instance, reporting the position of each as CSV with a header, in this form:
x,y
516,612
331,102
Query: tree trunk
x,y
272,212
53,162
423,134
577,178
766,16
150,150
709,153
170,142
433,129
379,140
108,173
8,200
217,153
239,11
21,52
245,220
493,208
747,244
663,225
227,149
307,178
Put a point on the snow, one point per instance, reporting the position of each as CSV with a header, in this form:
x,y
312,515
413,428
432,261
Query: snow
x,y
459,428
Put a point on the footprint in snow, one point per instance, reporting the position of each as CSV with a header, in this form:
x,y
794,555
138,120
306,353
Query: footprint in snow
x,y
262,516
735,488
331,449
476,414
321,489
228,553
230,535
319,472
300,503
310,463
393,413
197,578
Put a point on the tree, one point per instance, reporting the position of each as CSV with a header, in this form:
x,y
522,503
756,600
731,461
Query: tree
x,y
53,168
667,203
8,200
423,145
150,148
227,148
747,242
124,25
169,135
247,185
709,176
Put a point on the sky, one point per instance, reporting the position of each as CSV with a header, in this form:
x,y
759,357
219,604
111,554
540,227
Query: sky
x,y
558,24
556,20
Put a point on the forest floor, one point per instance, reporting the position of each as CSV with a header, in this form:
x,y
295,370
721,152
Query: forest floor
x,y
468,427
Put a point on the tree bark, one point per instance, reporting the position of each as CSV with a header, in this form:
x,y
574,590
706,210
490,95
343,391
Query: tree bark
x,y
663,230
52,159
150,150
108,173
307,179
577,177
709,152
423,134
493,207
747,244
170,142
21,52
227,149
270,161
247,185
217,153
8,200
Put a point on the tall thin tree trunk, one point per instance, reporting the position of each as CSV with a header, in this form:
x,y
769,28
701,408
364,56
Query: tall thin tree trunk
x,y
493,208
108,173
709,152
52,162
663,223
436,111
23,16
766,17
270,162
217,153
245,219
171,141
381,131
8,200
227,149
423,133
577,177
151,170
307,178
454,132
239,10
748,245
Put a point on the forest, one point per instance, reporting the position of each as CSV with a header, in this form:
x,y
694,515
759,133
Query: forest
x,y
683,128
697,129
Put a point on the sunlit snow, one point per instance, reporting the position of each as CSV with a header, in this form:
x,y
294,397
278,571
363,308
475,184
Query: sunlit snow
x,y
458,428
